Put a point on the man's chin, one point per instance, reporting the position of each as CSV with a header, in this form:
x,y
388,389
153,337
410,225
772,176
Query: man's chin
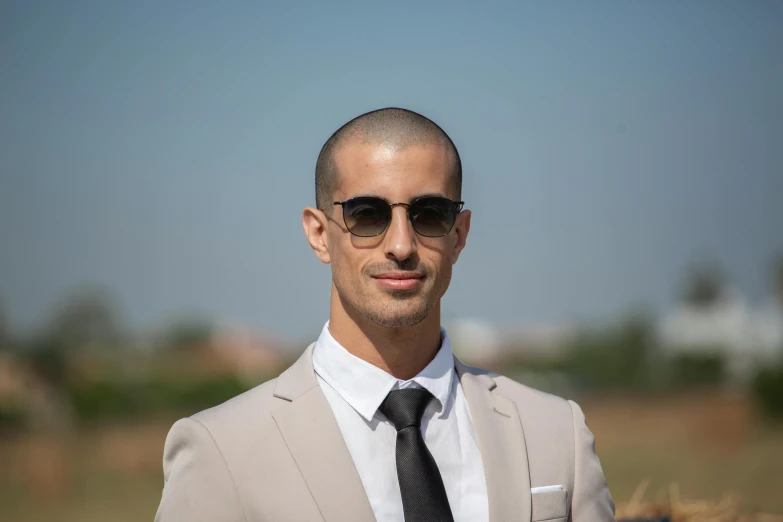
x,y
395,316
398,321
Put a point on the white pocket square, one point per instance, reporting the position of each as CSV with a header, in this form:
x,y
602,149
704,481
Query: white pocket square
x,y
545,489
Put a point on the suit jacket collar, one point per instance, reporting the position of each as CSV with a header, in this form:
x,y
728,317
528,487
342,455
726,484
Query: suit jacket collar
x,y
501,439
313,437
311,432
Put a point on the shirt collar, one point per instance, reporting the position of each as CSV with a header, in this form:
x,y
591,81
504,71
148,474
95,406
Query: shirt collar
x,y
364,386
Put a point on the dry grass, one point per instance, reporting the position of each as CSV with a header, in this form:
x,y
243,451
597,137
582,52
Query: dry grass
x,y
107,473
727,509
712,445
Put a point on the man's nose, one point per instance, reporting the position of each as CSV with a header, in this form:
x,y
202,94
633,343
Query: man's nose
x,y
400,240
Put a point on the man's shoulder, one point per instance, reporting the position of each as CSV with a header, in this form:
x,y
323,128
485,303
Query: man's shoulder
x,y
242,419
260,402
257,400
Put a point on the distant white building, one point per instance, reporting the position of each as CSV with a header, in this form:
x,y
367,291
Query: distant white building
x,y
746,336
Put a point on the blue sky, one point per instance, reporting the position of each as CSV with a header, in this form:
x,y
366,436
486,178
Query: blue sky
x,y
166,151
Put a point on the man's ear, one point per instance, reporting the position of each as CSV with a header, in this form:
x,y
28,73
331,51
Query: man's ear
x,y
314,224
461,228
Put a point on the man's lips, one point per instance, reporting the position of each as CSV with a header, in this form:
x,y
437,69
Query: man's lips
x,y
399,280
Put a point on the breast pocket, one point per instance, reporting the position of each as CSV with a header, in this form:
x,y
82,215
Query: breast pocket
x,y
550,506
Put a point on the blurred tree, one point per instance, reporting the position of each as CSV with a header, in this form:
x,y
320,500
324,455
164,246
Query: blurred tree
x,y
5,334
48,359
621,357
767,388
693,370
86,317
48,406
704,285
777,278
187,333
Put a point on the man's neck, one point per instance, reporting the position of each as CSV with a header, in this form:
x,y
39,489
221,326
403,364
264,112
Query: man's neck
x,y
401,352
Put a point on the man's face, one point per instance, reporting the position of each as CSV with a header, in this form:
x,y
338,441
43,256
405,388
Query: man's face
x,y
366,271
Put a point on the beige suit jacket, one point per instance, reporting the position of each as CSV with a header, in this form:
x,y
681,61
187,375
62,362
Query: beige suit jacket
x,y
275,453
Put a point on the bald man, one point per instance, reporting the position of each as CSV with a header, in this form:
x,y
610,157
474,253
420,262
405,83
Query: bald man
x,y
378,420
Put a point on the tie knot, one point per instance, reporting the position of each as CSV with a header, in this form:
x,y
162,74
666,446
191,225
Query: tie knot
x,y
406,407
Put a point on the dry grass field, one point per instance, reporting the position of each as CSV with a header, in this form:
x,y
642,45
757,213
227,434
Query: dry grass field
x,y
709,444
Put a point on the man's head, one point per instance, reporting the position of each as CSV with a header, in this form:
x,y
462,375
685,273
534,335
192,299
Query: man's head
x,y
395,127
395,278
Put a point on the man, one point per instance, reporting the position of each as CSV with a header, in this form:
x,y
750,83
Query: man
x,y
377,420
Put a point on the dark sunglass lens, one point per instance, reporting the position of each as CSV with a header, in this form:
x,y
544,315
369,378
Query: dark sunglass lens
x,y
433,217
366,216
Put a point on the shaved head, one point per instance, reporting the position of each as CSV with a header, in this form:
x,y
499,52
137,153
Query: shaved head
x,y
397,128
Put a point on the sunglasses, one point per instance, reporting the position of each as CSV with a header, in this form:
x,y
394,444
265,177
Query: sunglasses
x,y
430,216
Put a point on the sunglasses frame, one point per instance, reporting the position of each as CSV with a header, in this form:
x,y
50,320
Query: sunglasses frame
x,y
458,204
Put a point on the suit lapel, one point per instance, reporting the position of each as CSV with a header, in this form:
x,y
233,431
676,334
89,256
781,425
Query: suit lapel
x,y
502,444
313,437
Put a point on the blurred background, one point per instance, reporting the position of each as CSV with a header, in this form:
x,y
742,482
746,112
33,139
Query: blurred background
x,y
622,161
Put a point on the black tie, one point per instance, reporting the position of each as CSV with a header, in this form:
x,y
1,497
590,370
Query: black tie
x,y
423,494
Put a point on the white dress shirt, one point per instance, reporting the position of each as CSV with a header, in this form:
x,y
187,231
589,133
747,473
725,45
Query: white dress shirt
x,y
355,389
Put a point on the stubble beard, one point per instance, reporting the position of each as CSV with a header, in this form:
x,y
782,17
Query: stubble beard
x,y
393,309
391,317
